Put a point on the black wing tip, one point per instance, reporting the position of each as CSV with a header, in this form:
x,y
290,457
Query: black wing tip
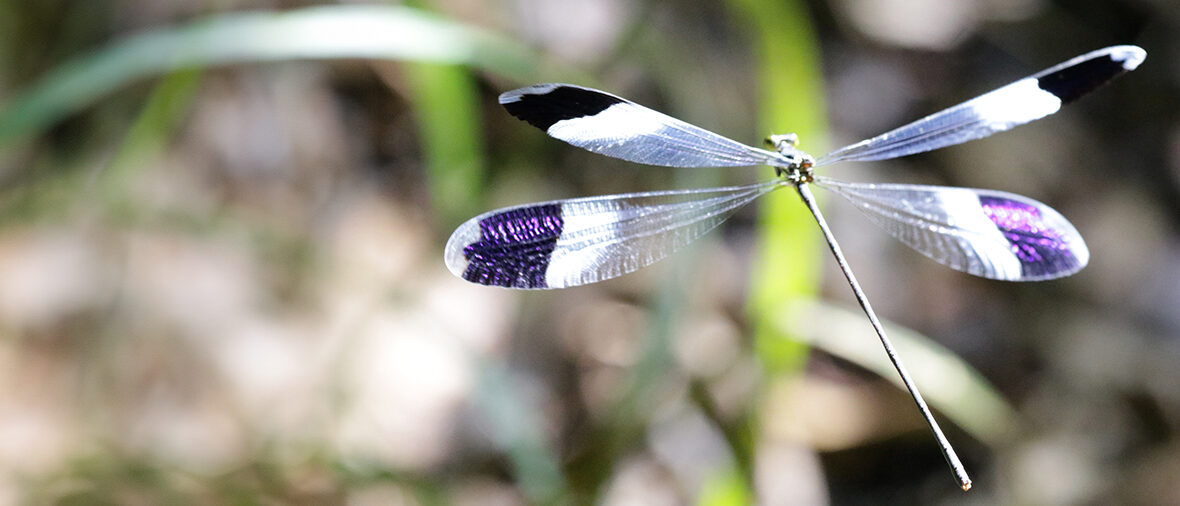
x,y
542,105
1075,78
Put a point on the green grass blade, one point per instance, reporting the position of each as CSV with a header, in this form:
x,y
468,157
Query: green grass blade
x,y
356,31
149,135
450,128
727,487
948,383
787,266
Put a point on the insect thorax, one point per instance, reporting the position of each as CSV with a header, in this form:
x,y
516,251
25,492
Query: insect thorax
x,y
795,165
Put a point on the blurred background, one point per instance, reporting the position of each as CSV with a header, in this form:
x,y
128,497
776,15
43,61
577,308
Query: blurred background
x,y
221,275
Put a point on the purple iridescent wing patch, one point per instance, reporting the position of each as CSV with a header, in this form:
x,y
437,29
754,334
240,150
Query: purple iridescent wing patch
x,y
1043,250
514,247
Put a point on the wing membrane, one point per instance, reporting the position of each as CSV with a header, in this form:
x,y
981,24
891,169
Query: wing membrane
x,y
987,233
1028,99
614,126
574,242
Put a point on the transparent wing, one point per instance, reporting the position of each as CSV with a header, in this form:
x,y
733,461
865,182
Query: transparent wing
x,y
991,234
1028,99
579,241
614,126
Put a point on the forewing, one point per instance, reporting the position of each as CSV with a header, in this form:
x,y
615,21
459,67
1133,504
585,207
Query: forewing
x,y
579,241
1028,99
987,233
614,126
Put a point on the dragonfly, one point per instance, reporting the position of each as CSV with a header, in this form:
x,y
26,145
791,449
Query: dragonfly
x,y
986,233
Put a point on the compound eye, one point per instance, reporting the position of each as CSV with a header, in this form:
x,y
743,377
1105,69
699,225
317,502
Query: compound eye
x,y
781,142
